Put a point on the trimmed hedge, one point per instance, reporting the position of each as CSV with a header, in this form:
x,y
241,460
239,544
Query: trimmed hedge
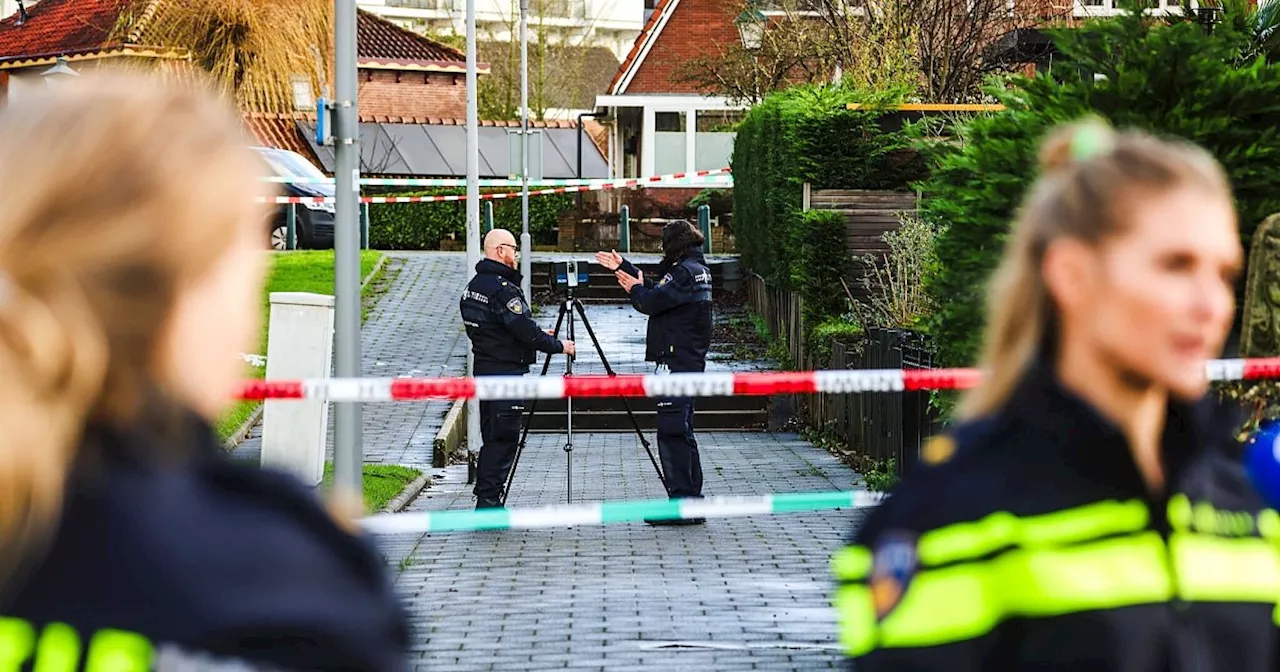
x,y
1173,80
421,226
806,134
820,260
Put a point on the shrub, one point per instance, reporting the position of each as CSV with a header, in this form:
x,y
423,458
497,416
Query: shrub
x,y
819,263
421,226
895,282
1209,97
806,134
843,329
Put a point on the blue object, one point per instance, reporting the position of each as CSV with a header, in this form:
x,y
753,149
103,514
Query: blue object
x,y
1262,462
322,111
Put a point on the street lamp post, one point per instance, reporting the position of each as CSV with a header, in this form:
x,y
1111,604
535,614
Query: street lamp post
x,y
750,25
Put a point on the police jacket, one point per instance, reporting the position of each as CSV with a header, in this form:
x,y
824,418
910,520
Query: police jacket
x,y
678,303
198,558
1036,545
504,336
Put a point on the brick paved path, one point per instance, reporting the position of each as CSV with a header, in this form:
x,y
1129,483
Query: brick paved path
x,y
414,330
735,594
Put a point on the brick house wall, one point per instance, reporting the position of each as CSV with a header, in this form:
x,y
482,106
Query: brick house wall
x,y
412,94
694,28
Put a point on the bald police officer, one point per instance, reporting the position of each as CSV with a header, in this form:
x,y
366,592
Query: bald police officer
x,y
504,341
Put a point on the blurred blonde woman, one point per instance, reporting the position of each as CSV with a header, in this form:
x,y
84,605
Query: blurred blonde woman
x,y
1090,511
132,260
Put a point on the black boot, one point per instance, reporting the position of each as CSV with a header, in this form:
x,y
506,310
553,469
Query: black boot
x,y
484,503
676,521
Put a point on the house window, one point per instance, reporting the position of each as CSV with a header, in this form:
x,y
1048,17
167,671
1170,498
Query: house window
x,y
669,142
713,139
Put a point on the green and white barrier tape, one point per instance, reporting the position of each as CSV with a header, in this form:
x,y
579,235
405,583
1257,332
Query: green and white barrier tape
x,y
600,513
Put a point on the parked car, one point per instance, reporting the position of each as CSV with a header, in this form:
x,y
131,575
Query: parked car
x,y
314,224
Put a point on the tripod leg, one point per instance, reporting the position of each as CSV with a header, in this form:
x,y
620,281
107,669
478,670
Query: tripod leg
x,y
609,370
568,446
528,418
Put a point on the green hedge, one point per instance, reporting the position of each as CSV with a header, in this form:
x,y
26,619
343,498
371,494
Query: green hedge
x,y
421,226
820,259
1174,80
806,134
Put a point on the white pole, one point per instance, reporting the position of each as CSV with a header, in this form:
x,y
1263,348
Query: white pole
x,y
473,208
526,241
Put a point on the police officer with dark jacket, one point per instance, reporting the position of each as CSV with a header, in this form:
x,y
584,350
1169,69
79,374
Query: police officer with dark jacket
x,y
505,340
677,338
1089,511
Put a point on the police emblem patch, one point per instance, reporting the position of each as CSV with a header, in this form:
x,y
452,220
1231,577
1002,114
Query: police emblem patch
x,y
939,449
892,567
516,306
665,279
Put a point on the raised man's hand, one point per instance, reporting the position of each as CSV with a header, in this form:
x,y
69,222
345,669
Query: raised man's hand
x,y
627,281
610,260
569,348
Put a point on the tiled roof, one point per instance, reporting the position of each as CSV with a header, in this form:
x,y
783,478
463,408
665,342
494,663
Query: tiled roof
x,y
382,41
56,27
645,35
277,130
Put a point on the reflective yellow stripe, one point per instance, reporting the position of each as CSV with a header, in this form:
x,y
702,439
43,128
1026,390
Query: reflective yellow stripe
x,y
851,563
1113,573
857,629
944,605
966,541
1220,569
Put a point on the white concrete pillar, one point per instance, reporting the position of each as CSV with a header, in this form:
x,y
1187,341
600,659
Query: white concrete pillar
x,y
299,345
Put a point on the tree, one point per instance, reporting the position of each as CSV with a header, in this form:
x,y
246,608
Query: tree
x,y
942,49
251,48
1170,77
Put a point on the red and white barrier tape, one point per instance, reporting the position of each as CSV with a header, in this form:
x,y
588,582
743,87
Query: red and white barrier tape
x,y
599,186
844,381
458,182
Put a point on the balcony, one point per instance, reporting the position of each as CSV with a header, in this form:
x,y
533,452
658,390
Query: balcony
x,y
435,5
1101,8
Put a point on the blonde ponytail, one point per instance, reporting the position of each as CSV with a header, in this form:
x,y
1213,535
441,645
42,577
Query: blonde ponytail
x,y
52,364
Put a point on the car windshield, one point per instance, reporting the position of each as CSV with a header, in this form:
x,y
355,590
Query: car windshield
x,y
287,164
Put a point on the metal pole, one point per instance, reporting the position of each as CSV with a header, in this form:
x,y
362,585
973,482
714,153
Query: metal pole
x,y
348,451
473,210
526,241
624,230
291,227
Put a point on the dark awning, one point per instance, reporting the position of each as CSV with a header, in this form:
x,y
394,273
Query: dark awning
x,y
431,150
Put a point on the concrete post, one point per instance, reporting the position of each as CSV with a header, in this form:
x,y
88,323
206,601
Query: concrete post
x,y
300,345
704,225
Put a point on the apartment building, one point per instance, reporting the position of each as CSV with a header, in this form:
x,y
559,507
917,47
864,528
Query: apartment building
x,y
613,24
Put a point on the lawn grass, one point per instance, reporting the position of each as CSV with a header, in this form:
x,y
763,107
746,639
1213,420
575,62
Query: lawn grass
x,y
382,482
295,271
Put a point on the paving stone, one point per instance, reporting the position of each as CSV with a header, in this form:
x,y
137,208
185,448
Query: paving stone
x,y
414,330
621,591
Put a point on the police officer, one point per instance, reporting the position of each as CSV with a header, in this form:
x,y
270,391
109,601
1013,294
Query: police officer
x,y
1090,511
504,342
678,335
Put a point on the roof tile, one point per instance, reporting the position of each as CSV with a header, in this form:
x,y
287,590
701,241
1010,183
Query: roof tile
x,y
56,27
379,39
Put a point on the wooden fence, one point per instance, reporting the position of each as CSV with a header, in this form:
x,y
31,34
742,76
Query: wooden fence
x,y
880,425
783,314
868,216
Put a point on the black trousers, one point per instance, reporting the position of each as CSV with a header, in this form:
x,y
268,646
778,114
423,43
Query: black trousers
x,y
499,434
678,447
